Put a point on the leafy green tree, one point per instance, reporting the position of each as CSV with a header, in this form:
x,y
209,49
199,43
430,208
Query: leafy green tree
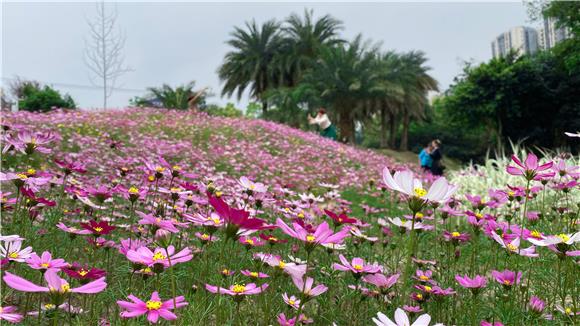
x,y
229,111
250,64
36,98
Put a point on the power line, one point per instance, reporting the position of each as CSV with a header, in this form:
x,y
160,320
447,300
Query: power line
x,y
79,86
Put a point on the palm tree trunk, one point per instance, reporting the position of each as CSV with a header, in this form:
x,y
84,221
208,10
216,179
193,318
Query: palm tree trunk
x,y
405,133
264,107
392,130
346,126
383,118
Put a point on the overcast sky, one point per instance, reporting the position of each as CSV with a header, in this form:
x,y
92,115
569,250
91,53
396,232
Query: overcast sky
x,y
177,42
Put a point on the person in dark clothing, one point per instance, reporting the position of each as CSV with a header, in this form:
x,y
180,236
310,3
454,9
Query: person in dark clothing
x,y
436,167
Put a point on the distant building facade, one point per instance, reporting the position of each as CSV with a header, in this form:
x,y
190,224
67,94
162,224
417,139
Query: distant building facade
x,y
528,40
520,39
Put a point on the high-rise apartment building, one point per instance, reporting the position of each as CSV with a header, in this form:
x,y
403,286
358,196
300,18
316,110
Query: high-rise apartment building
x,y
521,39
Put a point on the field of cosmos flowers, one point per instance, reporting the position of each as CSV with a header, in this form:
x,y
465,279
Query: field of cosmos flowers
x,y
136,216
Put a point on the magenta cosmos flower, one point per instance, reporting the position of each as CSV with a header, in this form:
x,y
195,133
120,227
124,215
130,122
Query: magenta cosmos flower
x,y
55,284
530,169
507,277
154,307
98,228
10,315
382,281
321,235
477,282
45,262
357,266
237,289
235,219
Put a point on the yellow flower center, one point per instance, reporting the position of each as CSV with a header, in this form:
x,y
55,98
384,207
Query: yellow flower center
x,y
282,264
31,171
252,187
507,282
423,278
250,242
291,302
44,265
564,237
218,193
536,234
21,176
146,270
420,192
511,247
271,238
568,311
479,216
65,288
310,238
300,215
175,189
176,168
82,272
511,193
153,305
159,169
159,256
358,267
237,288
225,271
13,255
455,234
287,209
419,215
428,289
133,190
151,178
204,236
98,229
419,296
49,306
254,274
216,220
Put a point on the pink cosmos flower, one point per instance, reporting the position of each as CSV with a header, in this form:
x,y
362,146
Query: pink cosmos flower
x,y
424,276
566,239
285,321
10,315
237,289
401,319
69,166
382,281
321,235
145,256
98,228
236,219
357,266
530,168
148,219
566,170
472,283
254,274
55,284
536,304
291,301
45,262
455,237
72,230
251,242
406,183
306,286
507,277
252,186
154,307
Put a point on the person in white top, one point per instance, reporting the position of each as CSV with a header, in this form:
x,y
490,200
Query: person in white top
x,y
327,129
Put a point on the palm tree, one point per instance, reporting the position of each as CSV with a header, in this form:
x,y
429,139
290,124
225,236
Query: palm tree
x,y
305,37
416,90
345,78
250,64
169,97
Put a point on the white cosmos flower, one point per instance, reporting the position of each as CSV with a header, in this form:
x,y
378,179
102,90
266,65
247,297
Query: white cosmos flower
x,y
401,319
406,183
250,185
568,239
406,223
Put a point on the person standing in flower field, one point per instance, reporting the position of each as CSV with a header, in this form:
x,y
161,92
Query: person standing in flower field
x,y
425,159
436,166
327,129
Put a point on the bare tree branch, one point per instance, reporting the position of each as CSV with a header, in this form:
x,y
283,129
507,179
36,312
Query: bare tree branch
x,y
104,51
